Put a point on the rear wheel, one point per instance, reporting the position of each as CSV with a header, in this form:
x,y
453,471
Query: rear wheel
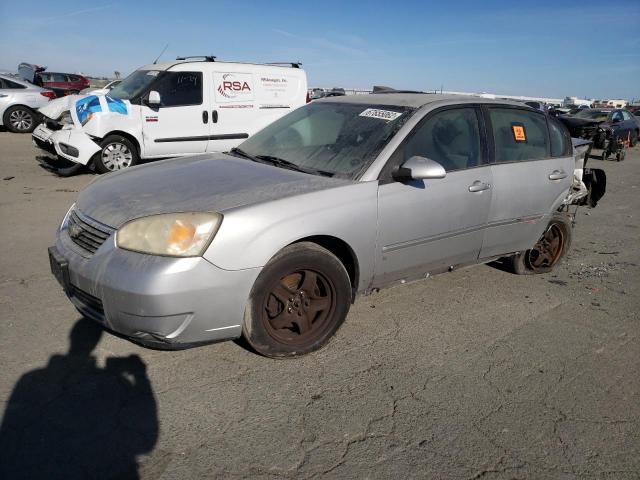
x,y
117,153
19,119
548,251
298,302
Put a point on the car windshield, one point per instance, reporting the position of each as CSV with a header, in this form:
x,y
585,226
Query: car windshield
x,y
600,115
329,138
134,84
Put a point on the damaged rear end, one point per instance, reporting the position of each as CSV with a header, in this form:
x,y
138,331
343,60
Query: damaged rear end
x,y
589,184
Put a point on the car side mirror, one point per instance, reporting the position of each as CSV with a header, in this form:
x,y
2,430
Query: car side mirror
x,y
420,168
154,99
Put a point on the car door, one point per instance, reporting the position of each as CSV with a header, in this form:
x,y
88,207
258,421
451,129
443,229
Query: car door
x,y
429,225
180,124
529,179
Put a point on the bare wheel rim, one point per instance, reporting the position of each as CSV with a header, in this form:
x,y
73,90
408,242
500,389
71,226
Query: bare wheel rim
x,y
116,156
547,252
298,309
21,120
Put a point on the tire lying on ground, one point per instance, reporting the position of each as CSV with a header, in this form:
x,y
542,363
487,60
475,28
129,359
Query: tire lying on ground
x,y
298,302
20,119
549,250
117,152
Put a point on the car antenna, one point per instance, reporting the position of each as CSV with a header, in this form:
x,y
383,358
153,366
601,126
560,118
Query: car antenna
x,y
158,57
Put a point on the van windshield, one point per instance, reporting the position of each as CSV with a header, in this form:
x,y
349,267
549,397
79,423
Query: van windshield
x,y
134,85
333,138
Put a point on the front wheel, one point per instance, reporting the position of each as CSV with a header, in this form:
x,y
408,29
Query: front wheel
x,y
548,251
19,119
117,153
298,302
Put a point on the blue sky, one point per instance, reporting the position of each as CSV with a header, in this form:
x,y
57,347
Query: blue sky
x,y
538,48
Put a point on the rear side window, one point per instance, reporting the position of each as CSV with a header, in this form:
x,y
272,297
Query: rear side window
x,y
180,89
626,115
519,135
450,137
560,139
9,84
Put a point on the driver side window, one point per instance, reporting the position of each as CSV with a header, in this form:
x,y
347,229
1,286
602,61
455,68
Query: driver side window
x,y
178,89
450,137
616,116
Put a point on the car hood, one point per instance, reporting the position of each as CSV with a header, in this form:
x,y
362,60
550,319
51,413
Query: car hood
x,y
83,108
579,122
203,183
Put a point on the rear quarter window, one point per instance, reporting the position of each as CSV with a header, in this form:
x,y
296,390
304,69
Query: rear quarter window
x,y
560,139
519,135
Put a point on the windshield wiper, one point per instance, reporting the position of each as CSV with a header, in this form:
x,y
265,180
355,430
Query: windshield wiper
x,y
281,162
242,153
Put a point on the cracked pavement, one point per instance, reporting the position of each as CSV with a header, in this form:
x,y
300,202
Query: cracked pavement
x,y
473,374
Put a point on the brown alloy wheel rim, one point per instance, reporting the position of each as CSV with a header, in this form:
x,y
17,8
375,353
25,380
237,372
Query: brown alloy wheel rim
x,y
546,253
297,310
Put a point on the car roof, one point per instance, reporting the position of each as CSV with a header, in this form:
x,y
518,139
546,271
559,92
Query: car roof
x,y
415,100
167,65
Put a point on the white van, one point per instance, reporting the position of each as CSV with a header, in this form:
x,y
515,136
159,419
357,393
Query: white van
x,y
171,109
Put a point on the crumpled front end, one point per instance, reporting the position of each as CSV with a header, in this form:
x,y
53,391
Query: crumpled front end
x,y
74,125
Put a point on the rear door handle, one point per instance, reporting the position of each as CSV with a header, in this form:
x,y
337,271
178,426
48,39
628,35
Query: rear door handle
x,y
2,95
214,116
557,175
479,186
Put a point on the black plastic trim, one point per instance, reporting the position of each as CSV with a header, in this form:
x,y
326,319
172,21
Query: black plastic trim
x,y
202,138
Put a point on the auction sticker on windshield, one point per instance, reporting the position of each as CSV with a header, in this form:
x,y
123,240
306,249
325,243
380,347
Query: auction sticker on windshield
x,y
387,115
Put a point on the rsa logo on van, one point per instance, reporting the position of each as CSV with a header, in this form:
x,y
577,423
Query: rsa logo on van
x,y
231,87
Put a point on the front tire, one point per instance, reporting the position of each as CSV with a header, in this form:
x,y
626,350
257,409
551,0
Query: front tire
x,y
117,153
298,302
19,119
548,251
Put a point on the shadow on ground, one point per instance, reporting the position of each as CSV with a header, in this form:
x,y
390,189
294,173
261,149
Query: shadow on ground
x,y
73,419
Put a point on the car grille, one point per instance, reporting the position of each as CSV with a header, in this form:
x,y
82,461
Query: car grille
x,y
88,236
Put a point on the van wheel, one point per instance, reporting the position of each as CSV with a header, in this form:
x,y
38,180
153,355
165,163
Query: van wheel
x,y
548,251
19,119
117,153
298,302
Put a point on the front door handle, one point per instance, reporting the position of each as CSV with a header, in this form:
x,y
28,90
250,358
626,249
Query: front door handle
x,y
479,186
557,175
205,117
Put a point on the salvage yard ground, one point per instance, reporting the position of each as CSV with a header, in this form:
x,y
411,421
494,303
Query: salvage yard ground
x,y
474,374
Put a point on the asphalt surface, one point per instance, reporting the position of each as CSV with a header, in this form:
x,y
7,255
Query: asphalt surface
x,y
477,373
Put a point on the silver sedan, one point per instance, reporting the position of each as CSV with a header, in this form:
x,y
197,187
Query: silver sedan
x,y
274,239
19,101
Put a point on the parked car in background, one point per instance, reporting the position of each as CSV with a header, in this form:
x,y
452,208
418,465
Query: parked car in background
x,y
61,83
602,126
343,196
335,92
171,109
317,93
101,91
19,102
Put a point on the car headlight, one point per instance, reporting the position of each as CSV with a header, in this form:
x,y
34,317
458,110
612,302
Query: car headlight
x,y
172,234
65,220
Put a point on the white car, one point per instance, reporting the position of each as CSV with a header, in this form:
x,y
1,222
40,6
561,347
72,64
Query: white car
x,y
172,109
101,91
19,101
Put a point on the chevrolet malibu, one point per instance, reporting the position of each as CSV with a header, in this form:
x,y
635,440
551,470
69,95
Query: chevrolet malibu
x,y
274,239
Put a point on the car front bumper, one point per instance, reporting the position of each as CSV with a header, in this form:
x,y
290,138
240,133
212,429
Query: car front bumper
x,y
162,302
70,144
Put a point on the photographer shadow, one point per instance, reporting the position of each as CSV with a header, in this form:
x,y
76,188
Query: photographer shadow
x,y
73,419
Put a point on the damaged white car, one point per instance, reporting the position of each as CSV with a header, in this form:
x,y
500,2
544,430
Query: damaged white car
x,y
185,107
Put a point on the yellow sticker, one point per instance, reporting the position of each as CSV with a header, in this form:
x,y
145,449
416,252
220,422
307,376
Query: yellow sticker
x,y
518,133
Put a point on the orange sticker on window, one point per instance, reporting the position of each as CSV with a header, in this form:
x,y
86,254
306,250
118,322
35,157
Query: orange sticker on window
x,y
518,133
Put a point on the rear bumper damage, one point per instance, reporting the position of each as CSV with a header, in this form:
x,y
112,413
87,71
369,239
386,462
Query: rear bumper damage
x,y
589,184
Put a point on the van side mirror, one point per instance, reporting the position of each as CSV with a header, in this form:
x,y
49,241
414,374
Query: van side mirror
x,y
420,168
154,99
